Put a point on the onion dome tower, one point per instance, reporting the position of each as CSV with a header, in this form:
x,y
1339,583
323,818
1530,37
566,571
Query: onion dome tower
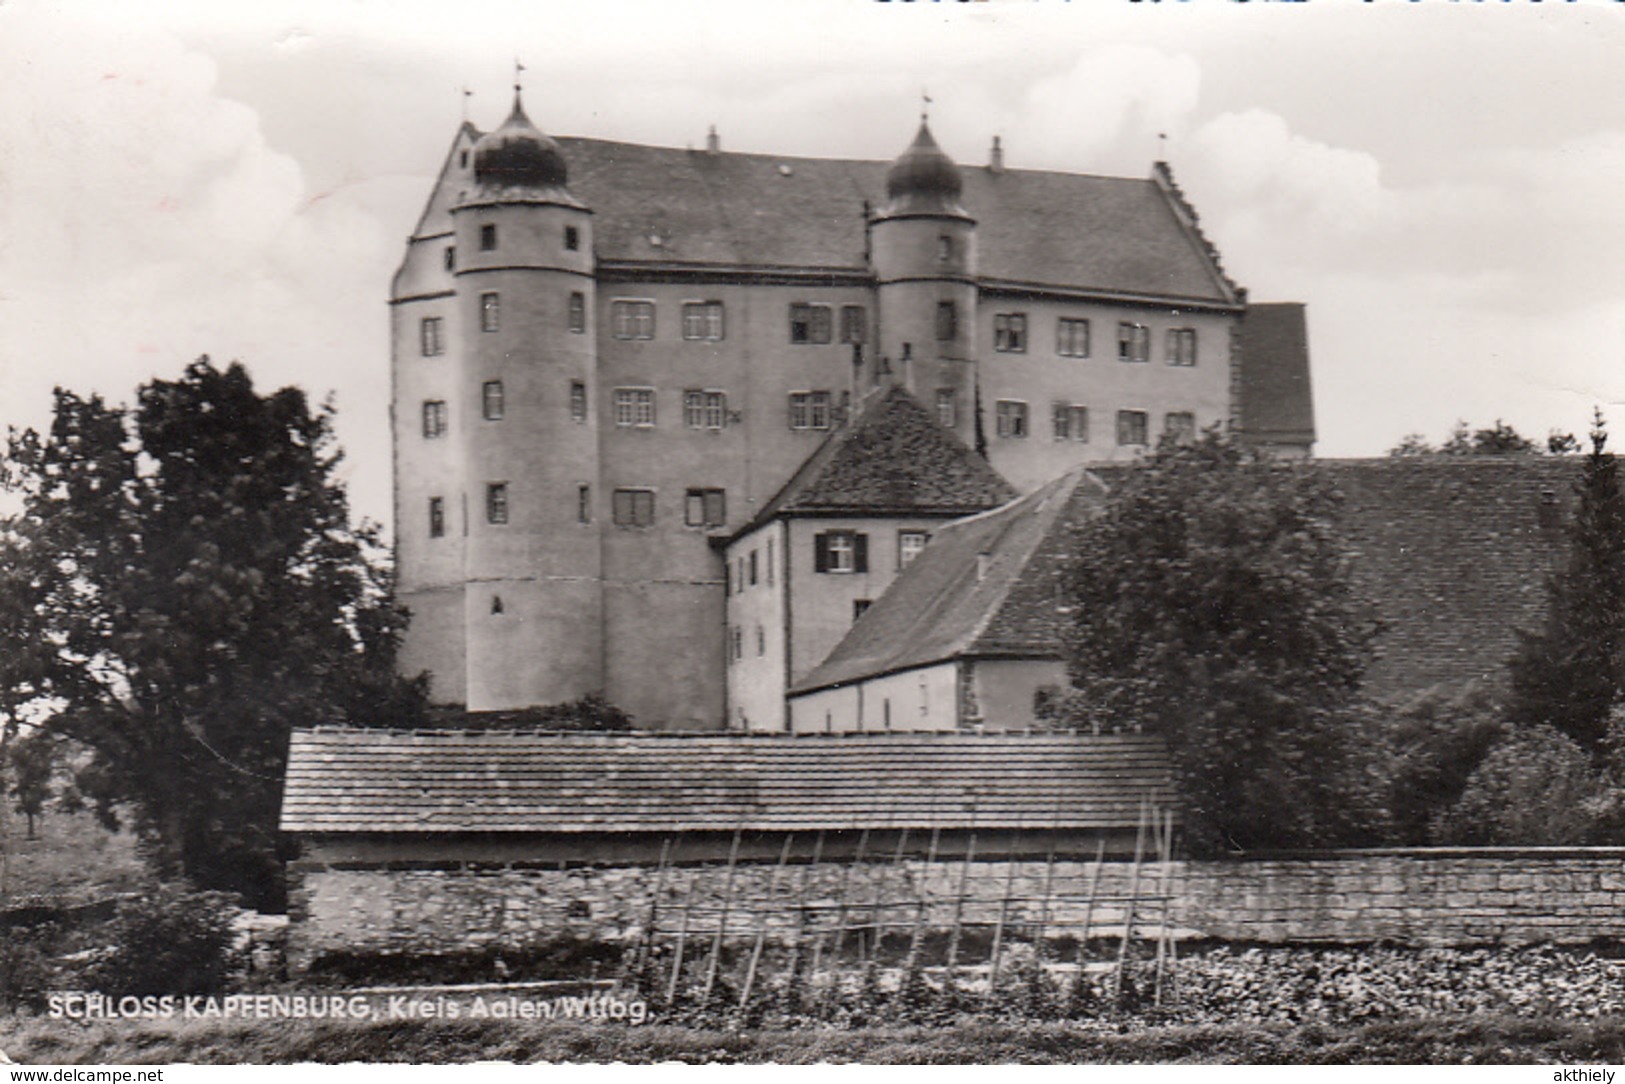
x,y
528,432
923,256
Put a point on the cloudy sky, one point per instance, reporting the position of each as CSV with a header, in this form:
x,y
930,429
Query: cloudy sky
x,y
1443,183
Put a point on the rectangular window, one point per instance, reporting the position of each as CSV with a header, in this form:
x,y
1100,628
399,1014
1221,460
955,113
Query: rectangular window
x,y
634,508
1131,427
809,410
909,545
491,400
1010,417
860,606
583,504
1072,337
752,580
1070,422
841,551
1181,346
634,407
770,562
809,323
1010,332
705,409
496,502
437,517
1179,426
434,418
738,642
948,407
578,313
947,321
1133,342
761,641
578,401
633,319
854,324
433,340
490,312
488,238
572,238
451,258
702,321
705,508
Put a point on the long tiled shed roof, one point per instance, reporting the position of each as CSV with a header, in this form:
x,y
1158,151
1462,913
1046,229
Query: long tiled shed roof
x,y
346,780
1113,235
952,602
894,459
1452,551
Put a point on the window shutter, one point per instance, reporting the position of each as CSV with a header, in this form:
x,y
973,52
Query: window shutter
x,y
860,553
821,553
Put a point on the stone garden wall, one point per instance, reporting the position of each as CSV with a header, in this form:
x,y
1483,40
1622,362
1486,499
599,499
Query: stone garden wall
x,y
1417,897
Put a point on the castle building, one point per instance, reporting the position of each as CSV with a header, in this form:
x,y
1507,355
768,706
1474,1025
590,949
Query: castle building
x,y
631,385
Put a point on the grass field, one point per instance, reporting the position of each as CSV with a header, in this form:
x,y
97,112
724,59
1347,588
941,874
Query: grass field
x,y
1425,1040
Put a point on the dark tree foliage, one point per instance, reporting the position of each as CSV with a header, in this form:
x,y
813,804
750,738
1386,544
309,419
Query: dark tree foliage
x,y
589,712
191,589
1498,439
1211,606
32,763
1569,675
1438,740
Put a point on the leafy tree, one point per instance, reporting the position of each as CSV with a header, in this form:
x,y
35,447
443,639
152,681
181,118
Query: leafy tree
x,y
1569,675
589,712
1537,787
1498,439
1210,604
192,589
1437,740
33,761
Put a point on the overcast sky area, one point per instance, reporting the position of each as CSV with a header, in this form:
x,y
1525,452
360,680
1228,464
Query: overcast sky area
x,y
1440,182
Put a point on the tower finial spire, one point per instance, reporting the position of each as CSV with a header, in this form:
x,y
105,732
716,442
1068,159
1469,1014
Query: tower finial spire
x,y
467,94
518,88
925,105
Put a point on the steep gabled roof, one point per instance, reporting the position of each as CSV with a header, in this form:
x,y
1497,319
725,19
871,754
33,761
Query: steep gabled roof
x,y
664,207
344,780
893,459
1274,401
954,602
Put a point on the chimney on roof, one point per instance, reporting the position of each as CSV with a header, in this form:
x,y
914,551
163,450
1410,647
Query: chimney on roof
x,y
995,157
713,142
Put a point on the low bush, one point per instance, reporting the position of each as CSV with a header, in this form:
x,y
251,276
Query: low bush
x,y
171,941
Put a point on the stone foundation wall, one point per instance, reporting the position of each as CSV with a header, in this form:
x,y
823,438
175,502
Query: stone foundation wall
x,y
1407,897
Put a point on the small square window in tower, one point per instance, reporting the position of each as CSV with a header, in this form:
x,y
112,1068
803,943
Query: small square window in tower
x,y
437,517
947,321
1133,342
488,238
496,502
572,238
702,321
1010,332
578,401
490,312
451,258
948,407
841,551
583,503
578,313
810,323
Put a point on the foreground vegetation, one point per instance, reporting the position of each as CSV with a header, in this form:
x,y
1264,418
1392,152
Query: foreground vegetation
x,y
1476,1039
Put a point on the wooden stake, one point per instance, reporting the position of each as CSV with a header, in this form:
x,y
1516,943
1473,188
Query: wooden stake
x,y
761,924
998,927
722,919
682,940
875,928
846,881
1133,895
920,904
1165,840
959,905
